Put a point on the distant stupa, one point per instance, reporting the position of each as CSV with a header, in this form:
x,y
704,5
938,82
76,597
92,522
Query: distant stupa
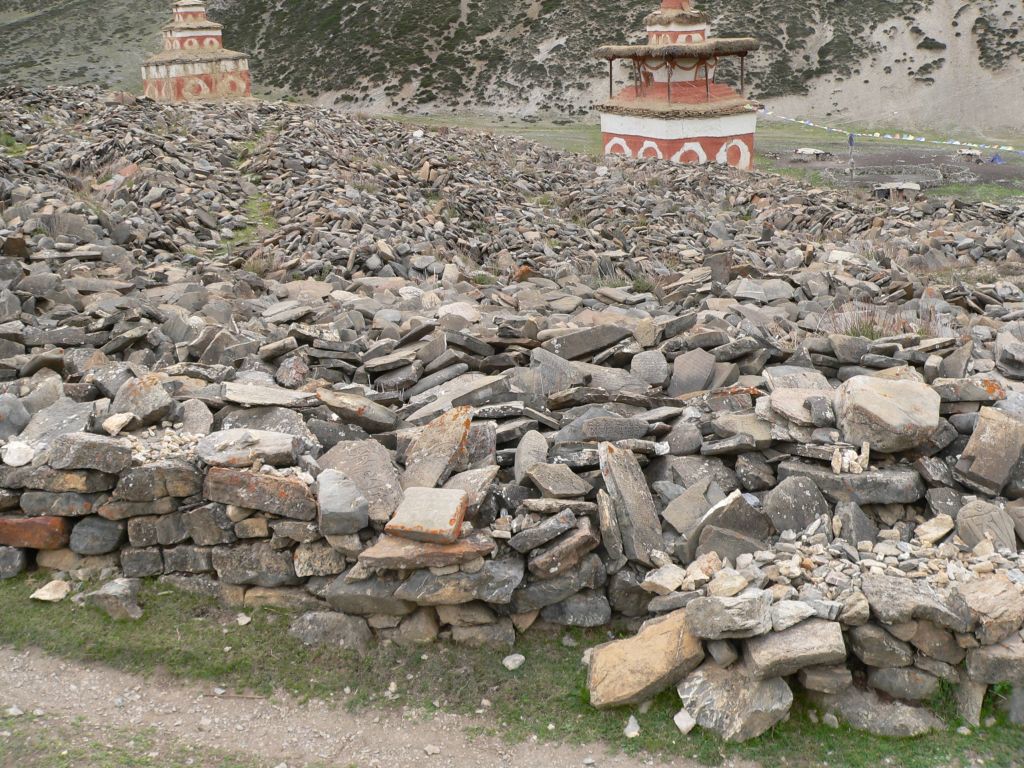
x,y
194,65
674,109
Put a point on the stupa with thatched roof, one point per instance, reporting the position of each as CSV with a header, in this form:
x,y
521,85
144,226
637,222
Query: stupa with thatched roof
x,y
194,64
674,108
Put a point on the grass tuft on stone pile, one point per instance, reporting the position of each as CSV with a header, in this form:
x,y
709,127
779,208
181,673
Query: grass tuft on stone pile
x,y
194,639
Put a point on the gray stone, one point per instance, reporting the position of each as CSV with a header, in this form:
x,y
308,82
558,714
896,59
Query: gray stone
x,y
833,679
117,598
342,507
691,372
865,711
336,630
14,417
851,524
732,704
557,481
494,583
243,447
635,512
989,458
979,520
12,562
144,399
715,618
543,532
894,485
877,648
808,644
906,683
794,504
588,608
95,536
256,564
1002,662
368,464
891,415
532,449
81,450
141,563
375,595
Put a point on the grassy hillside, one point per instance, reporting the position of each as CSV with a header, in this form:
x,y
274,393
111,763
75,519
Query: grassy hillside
x,y
522,56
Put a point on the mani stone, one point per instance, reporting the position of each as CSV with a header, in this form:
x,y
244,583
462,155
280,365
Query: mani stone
x,y
892,415
897,600
1002,662
732,704
241,448
543,532
282,496
988,460
691,372
532,449
35,503
257,564
368,464
342,507
81,450
565,552
877,648
996,604
634,669
907,683
865,711
589,608
393,553
635,513
375,595
494,583
585,342
144,399
893,485
780,654
557,481
794,504
94,535
173,478
430,514
979,520
717,618
327,628
437,449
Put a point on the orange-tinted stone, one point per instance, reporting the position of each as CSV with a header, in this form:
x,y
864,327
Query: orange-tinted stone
x,y
35,532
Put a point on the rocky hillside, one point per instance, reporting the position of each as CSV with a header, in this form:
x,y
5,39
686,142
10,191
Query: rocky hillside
x,y
945,62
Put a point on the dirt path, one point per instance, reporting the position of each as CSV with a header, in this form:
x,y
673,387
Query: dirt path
x,y
273,731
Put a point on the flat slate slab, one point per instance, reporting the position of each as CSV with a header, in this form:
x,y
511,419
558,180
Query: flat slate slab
x,y
392,552
430,514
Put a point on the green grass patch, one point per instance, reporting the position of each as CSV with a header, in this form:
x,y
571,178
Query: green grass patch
x,y
978,193
11,146
31,742
192,638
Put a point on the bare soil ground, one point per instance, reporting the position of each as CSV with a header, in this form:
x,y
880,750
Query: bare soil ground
x,y
102,703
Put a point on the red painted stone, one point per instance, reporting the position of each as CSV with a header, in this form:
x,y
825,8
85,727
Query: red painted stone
x,y
35,532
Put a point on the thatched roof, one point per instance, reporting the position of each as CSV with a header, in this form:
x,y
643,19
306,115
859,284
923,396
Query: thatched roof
x,y
716,46
190,56
193,25
664,110
675,17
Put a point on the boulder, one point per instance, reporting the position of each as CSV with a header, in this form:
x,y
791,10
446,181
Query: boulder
x,y
890,415
634,669
732,704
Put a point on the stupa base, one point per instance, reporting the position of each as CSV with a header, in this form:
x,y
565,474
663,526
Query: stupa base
x,y
727,140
